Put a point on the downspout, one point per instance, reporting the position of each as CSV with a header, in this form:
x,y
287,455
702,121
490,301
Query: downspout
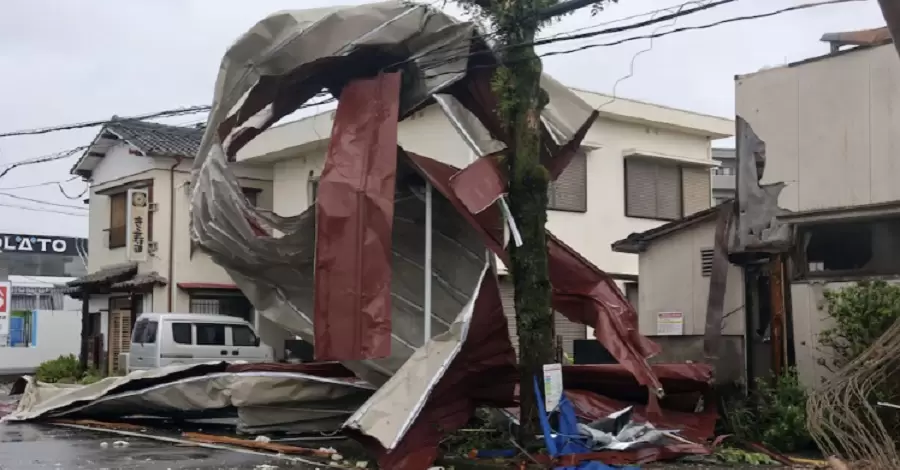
x,y
171,284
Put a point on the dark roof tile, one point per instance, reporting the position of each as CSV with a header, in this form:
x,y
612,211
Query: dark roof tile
x,y
158,139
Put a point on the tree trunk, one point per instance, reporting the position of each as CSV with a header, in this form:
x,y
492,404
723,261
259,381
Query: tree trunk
x,y
522,99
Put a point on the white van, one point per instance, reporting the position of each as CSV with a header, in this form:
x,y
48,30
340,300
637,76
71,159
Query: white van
x,y
161,339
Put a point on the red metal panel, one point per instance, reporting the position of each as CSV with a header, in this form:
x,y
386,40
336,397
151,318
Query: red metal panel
x,y
354,220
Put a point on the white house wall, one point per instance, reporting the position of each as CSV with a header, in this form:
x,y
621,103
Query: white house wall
x,y
591,233
829,126
671,280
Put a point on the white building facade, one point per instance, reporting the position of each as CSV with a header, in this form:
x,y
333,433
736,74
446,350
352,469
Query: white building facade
x,y
643,165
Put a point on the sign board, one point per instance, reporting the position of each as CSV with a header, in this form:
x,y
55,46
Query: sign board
x,y
553,386
138,211
669,323
5,299
41,244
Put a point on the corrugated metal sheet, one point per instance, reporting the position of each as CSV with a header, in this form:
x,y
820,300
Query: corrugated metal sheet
x,y
567,329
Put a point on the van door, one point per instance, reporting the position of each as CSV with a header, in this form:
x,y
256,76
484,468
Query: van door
x,y
211,344
245,345
144,345
177,343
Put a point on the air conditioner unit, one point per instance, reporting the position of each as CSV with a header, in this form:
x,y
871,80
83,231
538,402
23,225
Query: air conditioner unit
x,y
152,247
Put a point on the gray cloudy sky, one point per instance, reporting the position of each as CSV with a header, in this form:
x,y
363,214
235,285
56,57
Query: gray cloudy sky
x,y
70,61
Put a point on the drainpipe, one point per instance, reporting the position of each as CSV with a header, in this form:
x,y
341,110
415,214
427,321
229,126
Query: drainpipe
x,y
171,291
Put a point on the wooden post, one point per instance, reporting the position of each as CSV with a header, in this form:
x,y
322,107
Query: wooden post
x,y
85,328
776,290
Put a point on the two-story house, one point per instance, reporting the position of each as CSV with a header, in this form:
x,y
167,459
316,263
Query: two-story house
x,y
643,165
140,257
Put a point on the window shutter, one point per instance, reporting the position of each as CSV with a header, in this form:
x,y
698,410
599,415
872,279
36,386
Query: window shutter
x,y
695,185
568,331
569,191
640,192
668,192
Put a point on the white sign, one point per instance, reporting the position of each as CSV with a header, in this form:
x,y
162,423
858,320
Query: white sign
x,y
669,323
553,386
138,214
5,300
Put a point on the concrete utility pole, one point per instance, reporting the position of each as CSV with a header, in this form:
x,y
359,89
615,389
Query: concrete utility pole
x,y
517,85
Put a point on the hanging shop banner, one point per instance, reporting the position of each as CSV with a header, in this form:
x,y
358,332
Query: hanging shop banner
x,y
4,308
138,213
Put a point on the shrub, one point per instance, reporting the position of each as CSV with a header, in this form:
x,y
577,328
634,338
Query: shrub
x,y
774,414
64,369
861,314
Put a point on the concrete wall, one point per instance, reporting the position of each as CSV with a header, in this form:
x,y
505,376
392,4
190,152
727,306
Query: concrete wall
x,y
830,127
54,338
671,280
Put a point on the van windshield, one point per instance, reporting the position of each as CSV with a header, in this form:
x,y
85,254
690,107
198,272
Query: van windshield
x,y
144,332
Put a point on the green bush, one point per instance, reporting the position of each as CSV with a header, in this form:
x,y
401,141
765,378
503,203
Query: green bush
x,y
861,314
64,369
774,414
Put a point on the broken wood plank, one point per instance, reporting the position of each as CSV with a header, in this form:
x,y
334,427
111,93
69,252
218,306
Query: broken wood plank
x,y
250,444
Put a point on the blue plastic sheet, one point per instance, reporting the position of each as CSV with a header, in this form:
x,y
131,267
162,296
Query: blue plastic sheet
x,y
567,440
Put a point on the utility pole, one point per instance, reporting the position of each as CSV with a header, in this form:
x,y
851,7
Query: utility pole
x,y
521,99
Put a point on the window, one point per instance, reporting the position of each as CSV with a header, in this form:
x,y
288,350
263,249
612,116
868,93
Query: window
x,y
664,190
138,332
836,249
252,195
181,333
232,304
150,332
242,335
117,220
706,261
569,191
210,334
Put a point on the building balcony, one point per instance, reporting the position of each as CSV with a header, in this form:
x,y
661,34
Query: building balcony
x,y
723,182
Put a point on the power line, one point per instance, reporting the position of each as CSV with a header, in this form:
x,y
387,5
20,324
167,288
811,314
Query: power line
x,y
49,158
699,27
39,209
37,185
40,201
81,125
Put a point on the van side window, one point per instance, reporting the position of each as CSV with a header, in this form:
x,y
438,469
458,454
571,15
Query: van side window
x,y
150,332
181,333
138,332
210,334
242,335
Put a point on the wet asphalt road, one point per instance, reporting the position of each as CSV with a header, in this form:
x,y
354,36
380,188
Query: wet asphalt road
x,y
33,447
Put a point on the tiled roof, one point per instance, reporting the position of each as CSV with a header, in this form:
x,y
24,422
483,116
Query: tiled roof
x,y
158,139
111,273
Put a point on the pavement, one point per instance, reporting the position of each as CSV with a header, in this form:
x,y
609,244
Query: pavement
x,y
29,446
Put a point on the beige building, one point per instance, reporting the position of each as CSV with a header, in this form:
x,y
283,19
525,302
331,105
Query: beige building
x,y
830,125
675,263
643,165
830,130
129,157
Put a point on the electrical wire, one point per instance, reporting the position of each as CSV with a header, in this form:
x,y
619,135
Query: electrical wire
x,y
40,209
81,125
37,185
62,190
41,201
49,158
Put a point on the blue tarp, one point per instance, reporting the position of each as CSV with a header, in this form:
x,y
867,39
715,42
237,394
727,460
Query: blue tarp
x,y
567,440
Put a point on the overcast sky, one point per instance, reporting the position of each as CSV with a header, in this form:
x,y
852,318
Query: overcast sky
x,y
71,61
